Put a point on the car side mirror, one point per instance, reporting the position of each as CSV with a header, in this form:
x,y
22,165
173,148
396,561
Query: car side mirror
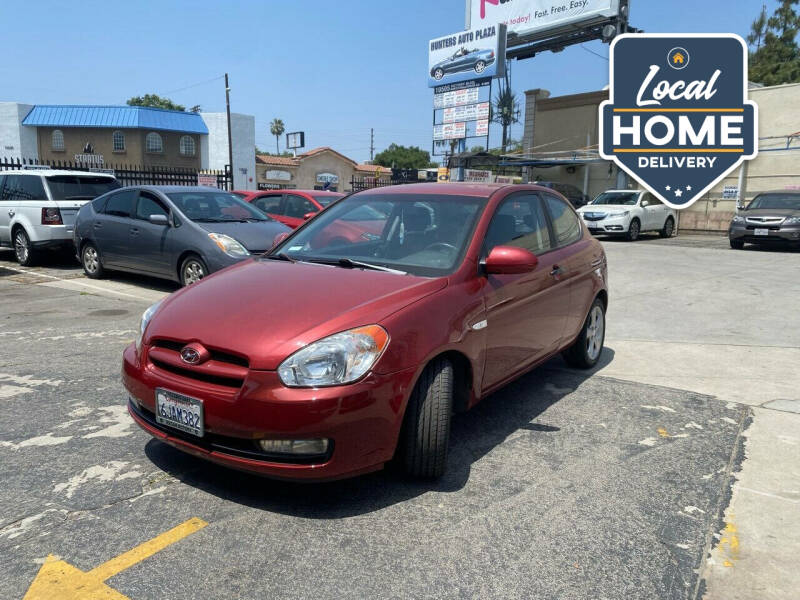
x,y
159,219
279,238
509,260
645,203
308,215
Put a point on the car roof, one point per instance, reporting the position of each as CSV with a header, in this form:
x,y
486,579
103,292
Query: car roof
x,y
455,188
50,172
621,191
166,189
790,192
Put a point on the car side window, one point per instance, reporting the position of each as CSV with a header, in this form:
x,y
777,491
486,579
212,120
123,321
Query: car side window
x,y
566,225
29,187
654,201
10,188
120,204
269,204
149,204
519,221
298,207
2,182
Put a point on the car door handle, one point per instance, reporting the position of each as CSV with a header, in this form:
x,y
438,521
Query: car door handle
x,y
11,213
557,271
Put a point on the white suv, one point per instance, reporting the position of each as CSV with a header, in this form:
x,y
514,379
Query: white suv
x,y
628,213
38,207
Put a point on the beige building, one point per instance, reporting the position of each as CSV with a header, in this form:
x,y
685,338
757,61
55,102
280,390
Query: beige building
x,y
321,168
564,131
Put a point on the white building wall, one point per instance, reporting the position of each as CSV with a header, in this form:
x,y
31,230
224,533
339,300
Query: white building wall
x,y
17,141
214,148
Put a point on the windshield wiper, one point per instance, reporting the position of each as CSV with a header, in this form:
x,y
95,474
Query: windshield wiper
x,y
348,263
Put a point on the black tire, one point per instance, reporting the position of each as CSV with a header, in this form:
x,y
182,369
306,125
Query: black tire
x,y
581,354
737,244
668,229
193,269
90,261
634,229
480,66
438,74
23,251
426,434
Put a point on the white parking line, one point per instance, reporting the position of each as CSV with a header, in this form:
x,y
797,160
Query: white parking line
x,y
73,282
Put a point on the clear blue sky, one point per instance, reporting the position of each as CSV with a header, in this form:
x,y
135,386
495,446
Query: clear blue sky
x,y
331,68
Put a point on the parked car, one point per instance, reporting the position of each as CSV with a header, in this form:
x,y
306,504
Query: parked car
x,y
321,361
291,208
628,213
463,60
576,197
770,218
181,233
38,208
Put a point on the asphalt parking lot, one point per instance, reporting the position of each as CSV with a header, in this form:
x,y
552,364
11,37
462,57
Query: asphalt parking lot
x,y
616,483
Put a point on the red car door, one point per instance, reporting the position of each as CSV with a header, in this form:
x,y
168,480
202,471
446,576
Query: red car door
x,y
272,204
525,313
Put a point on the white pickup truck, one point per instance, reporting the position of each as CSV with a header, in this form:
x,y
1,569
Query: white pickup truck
x,y
628,213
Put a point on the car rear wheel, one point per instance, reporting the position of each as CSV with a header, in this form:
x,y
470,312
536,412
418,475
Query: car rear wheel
x,y
193,269
586,350
737,244
634,229
427,421
668,229
90,259
480,66
438,74
23,251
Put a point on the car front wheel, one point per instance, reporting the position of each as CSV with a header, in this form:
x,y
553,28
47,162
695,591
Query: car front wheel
x,y
427,421
193,269
438,74
90,259
634,229
737,244
22,248
480,66
586,350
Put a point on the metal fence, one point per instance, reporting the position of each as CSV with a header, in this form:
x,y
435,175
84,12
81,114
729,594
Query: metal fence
x,y
130,174
399,177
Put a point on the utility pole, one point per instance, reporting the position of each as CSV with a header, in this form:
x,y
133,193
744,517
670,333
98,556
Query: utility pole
x,y
371,143
230,140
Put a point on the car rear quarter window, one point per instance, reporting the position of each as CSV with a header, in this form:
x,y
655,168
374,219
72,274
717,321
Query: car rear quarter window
x,y
566,225
23,187
120,204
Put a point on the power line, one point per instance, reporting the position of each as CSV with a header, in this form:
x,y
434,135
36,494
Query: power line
x,y
595,53
193,85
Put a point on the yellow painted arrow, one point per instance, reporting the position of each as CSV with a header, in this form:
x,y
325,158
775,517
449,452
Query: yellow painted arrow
x,y
59,579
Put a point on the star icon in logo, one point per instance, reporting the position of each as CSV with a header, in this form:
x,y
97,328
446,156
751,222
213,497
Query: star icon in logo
x,y
688,188
678,193
669,188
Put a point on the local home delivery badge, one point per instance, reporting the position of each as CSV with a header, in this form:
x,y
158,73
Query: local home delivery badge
x,y
678,119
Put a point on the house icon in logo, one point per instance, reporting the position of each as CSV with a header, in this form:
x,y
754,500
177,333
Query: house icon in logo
x,y
678,58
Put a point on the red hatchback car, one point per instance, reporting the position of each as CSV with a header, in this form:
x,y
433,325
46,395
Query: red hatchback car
x,y
290,207
321,361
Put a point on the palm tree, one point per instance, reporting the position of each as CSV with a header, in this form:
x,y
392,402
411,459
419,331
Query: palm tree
x,y
276,128
506,109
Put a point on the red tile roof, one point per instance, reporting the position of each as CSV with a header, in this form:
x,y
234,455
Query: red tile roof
x,y
373,168
286,161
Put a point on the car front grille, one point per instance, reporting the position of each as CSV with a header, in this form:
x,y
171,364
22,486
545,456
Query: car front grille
x,y
594,216
222,368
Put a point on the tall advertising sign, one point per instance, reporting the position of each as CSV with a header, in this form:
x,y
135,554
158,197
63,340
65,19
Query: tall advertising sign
x,y
678,119
466,55
532,18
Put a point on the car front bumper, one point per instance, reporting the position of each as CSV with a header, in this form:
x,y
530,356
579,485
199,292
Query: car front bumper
x,y
785,234
607,226
362,420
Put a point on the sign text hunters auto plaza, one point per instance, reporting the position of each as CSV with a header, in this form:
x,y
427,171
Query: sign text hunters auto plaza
x,y
678,119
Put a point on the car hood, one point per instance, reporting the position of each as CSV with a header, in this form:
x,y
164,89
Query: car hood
x,y
255,236
771,212
604,208
266,309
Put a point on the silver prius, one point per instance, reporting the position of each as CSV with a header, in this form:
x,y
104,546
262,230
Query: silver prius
x,y
174,232
771,218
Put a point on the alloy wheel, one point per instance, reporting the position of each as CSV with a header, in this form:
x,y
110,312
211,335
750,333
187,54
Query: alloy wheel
x,y
633,230
595,332
480,66
90,259
21,247
193,272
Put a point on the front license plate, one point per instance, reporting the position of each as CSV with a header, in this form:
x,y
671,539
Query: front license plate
x,y
179,412
762,231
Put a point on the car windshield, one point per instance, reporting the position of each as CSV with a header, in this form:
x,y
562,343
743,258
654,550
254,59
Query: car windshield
x,y
79,187
618,198
324,200
215,207
776,202
420,234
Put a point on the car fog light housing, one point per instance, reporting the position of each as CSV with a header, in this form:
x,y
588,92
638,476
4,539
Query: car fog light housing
x,y
295,447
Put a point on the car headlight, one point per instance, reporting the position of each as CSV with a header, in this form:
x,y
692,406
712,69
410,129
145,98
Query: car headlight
x,y
228,245
623,213
737,219
791,221
335,360
146,316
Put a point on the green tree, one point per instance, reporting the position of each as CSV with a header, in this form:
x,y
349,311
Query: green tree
x,y
402,157
758,28
777,60
155,101
276,128
506,109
